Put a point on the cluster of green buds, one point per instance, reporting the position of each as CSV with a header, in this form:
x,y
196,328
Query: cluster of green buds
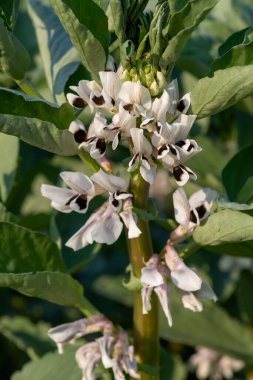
x,y
146,74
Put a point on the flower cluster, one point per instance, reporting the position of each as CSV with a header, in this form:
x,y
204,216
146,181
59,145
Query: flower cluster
x,y
156,276
156,128
104,225
112,349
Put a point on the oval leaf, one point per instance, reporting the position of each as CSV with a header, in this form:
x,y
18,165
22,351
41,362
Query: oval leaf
x,y
86,24
226,87
225,226
23,250
56,287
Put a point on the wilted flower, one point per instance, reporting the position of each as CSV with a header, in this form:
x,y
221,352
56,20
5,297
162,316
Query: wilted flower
x,y
189,213
153,278
210,364
112,349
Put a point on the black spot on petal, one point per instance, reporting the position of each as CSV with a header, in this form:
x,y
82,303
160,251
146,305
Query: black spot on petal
x,y
190,147
79,103
201,210
180,105
101,145
81,201
180,143
162,149
193,218
98,100
178,172
115,202
80,136
70,200
128,107
173,150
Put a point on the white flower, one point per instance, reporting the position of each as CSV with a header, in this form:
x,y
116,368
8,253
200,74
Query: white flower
x,y
135,98
103,226
153,278
97,136
122,123
174,149
78,130
189,213
157,113
116,187
111,86
142,155
74,198
88,93
182,105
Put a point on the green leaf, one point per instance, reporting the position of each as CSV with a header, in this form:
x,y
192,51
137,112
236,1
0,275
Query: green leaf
x,y
60,63
42,134
237,176
117,19
236,51
171,367
8,163
226,87
56,287
51,366
14,59
224,203
213,328
28,337
180,27
9,10
86,24
19,104
23,250
244,293
225,226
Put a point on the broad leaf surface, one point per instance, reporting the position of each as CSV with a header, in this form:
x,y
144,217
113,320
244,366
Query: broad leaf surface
x,y
86,24
27,336
23,250
14,59
236,51
8,163
19,104
225,226
51,366
224,88
56,287
237,176
61,62
180,28
42,134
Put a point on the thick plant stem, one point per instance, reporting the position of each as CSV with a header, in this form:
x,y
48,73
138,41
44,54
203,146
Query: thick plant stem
x,y
146,330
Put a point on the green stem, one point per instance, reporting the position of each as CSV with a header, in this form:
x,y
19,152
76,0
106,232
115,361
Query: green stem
x,y
146,329
87,308
173,7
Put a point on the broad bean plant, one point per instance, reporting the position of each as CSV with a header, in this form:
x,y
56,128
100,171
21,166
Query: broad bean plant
x,y
133,92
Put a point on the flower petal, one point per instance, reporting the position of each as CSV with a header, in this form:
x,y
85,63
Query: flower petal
x,y
181,207
191,302
162,292
78,182
146,299
129,219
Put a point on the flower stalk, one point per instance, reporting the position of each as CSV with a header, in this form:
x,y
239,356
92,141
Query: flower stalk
x,y
146,329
